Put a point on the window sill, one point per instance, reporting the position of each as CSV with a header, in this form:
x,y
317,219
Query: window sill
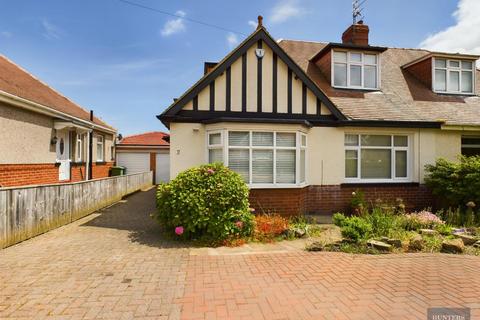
x,y
100,162
277,186
465,94
377,184
357,89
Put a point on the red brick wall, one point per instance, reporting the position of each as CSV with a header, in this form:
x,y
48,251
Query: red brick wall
x,y
101,170
78,172
335,198
325,65
422,71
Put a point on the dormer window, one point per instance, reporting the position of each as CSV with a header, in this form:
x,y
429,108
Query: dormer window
x,y
453,76
355,70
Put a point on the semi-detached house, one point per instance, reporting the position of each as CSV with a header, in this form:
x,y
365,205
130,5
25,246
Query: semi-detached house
x,y
308,123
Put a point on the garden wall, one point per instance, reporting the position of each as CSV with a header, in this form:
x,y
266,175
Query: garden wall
x,y
32,210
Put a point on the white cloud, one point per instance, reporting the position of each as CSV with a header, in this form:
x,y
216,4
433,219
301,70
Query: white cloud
x,y
232,40
6,34
252,23
462,37
173,26
284,10
51,31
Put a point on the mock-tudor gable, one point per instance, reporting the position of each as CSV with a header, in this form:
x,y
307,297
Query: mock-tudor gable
x,y
257,80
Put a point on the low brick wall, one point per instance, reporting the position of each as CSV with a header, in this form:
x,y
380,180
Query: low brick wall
x,y
335,198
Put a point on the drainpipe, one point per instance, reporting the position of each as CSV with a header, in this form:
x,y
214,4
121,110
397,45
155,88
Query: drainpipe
x,y
90,147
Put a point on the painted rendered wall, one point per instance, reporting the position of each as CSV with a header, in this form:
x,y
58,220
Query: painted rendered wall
x,y
187,146
26,135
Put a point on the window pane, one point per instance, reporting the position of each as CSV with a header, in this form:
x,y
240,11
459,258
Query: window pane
x,y
339,56
238,138
286,140
214,138
454,81
302,165
262,139
400,141
471,140
440,63
304,140
340,75
467,65
351,140
376,164
215,155
355,57
370,76
285,166
99,151
401,164
238,161
440,80
467,81
351,167
470,152
355,75
454,64
262,166
376,140
370,59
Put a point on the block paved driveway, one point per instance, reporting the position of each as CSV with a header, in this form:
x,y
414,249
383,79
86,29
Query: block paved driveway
x,y
114,264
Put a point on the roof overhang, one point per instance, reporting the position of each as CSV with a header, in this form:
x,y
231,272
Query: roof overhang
x,y
62,124
445,55
345,46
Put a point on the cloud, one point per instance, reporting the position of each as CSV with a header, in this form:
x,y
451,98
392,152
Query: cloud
x,y
51,31
173,26
232,40
252,23
462,37
6,34
285,10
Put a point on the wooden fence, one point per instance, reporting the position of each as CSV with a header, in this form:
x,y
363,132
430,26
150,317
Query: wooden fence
x,y
31,210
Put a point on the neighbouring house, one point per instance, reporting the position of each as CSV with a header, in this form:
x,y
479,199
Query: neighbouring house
x,y
45,137
145,152
308,123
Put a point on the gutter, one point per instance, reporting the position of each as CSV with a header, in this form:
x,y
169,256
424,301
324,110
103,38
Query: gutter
x,y
36,107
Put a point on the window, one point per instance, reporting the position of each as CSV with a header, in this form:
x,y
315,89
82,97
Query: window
x,y
355,70
470,146
261,157
376,158
453,76
79,148
100,149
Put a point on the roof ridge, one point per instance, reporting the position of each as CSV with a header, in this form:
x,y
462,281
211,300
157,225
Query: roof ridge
x,y
148,132
309,41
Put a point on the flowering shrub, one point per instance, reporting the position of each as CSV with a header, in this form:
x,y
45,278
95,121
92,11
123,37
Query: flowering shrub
x,y
267,227
209,202
356,229
422,219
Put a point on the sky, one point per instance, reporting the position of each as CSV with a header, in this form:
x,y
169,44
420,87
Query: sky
x,y
128,63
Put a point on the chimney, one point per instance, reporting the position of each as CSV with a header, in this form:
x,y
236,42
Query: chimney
x,y
208,66
356,34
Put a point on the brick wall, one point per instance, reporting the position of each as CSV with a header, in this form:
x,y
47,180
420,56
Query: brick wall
x,y
101,170
78,172
335,198
422,71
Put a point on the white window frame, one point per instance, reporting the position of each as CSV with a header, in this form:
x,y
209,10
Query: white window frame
x,y
250,147
362,64
448,69
100,141
358,148
215,146
79,148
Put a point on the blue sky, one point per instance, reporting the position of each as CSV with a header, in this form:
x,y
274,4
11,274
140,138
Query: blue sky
x,y
127,63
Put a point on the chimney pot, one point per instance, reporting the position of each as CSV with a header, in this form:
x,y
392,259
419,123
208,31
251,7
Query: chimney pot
x,y
356,34
260,22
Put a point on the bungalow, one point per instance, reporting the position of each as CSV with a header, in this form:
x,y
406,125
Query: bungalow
x,y
308,123
45,137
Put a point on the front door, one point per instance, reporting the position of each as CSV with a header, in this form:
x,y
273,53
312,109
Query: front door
x,y
63,155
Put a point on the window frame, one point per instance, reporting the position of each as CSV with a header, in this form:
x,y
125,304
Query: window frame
x,y
79,147
447,79
224,134
102,142
358,148
362,64
468,145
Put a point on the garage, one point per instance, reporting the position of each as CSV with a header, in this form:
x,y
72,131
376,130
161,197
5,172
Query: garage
x,y
145,152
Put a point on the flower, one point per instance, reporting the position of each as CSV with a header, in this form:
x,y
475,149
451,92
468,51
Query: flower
x,y
354,193
179,230
211,171
239,224
251,209
471,204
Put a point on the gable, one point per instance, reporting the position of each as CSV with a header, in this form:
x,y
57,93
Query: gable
x,y
246,86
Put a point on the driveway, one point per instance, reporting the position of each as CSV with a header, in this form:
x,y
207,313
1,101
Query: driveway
x,y
115,264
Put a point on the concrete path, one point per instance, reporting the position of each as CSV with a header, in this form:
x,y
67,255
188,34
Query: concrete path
x,y
115,264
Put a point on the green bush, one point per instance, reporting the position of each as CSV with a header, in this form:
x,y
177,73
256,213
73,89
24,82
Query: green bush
x,y
209,202
356,229
382,221
338,219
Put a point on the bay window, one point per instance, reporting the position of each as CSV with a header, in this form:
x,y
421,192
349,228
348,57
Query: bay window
x,y
267,158
471,146
356,70
453,76
376,158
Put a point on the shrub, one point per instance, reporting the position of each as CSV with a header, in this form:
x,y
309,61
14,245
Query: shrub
x,y
383,222
209,202
356,229
444,229
268,227
421,220
338,219
358,203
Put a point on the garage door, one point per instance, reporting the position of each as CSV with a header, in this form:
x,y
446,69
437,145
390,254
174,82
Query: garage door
x,y
134,162
163,168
